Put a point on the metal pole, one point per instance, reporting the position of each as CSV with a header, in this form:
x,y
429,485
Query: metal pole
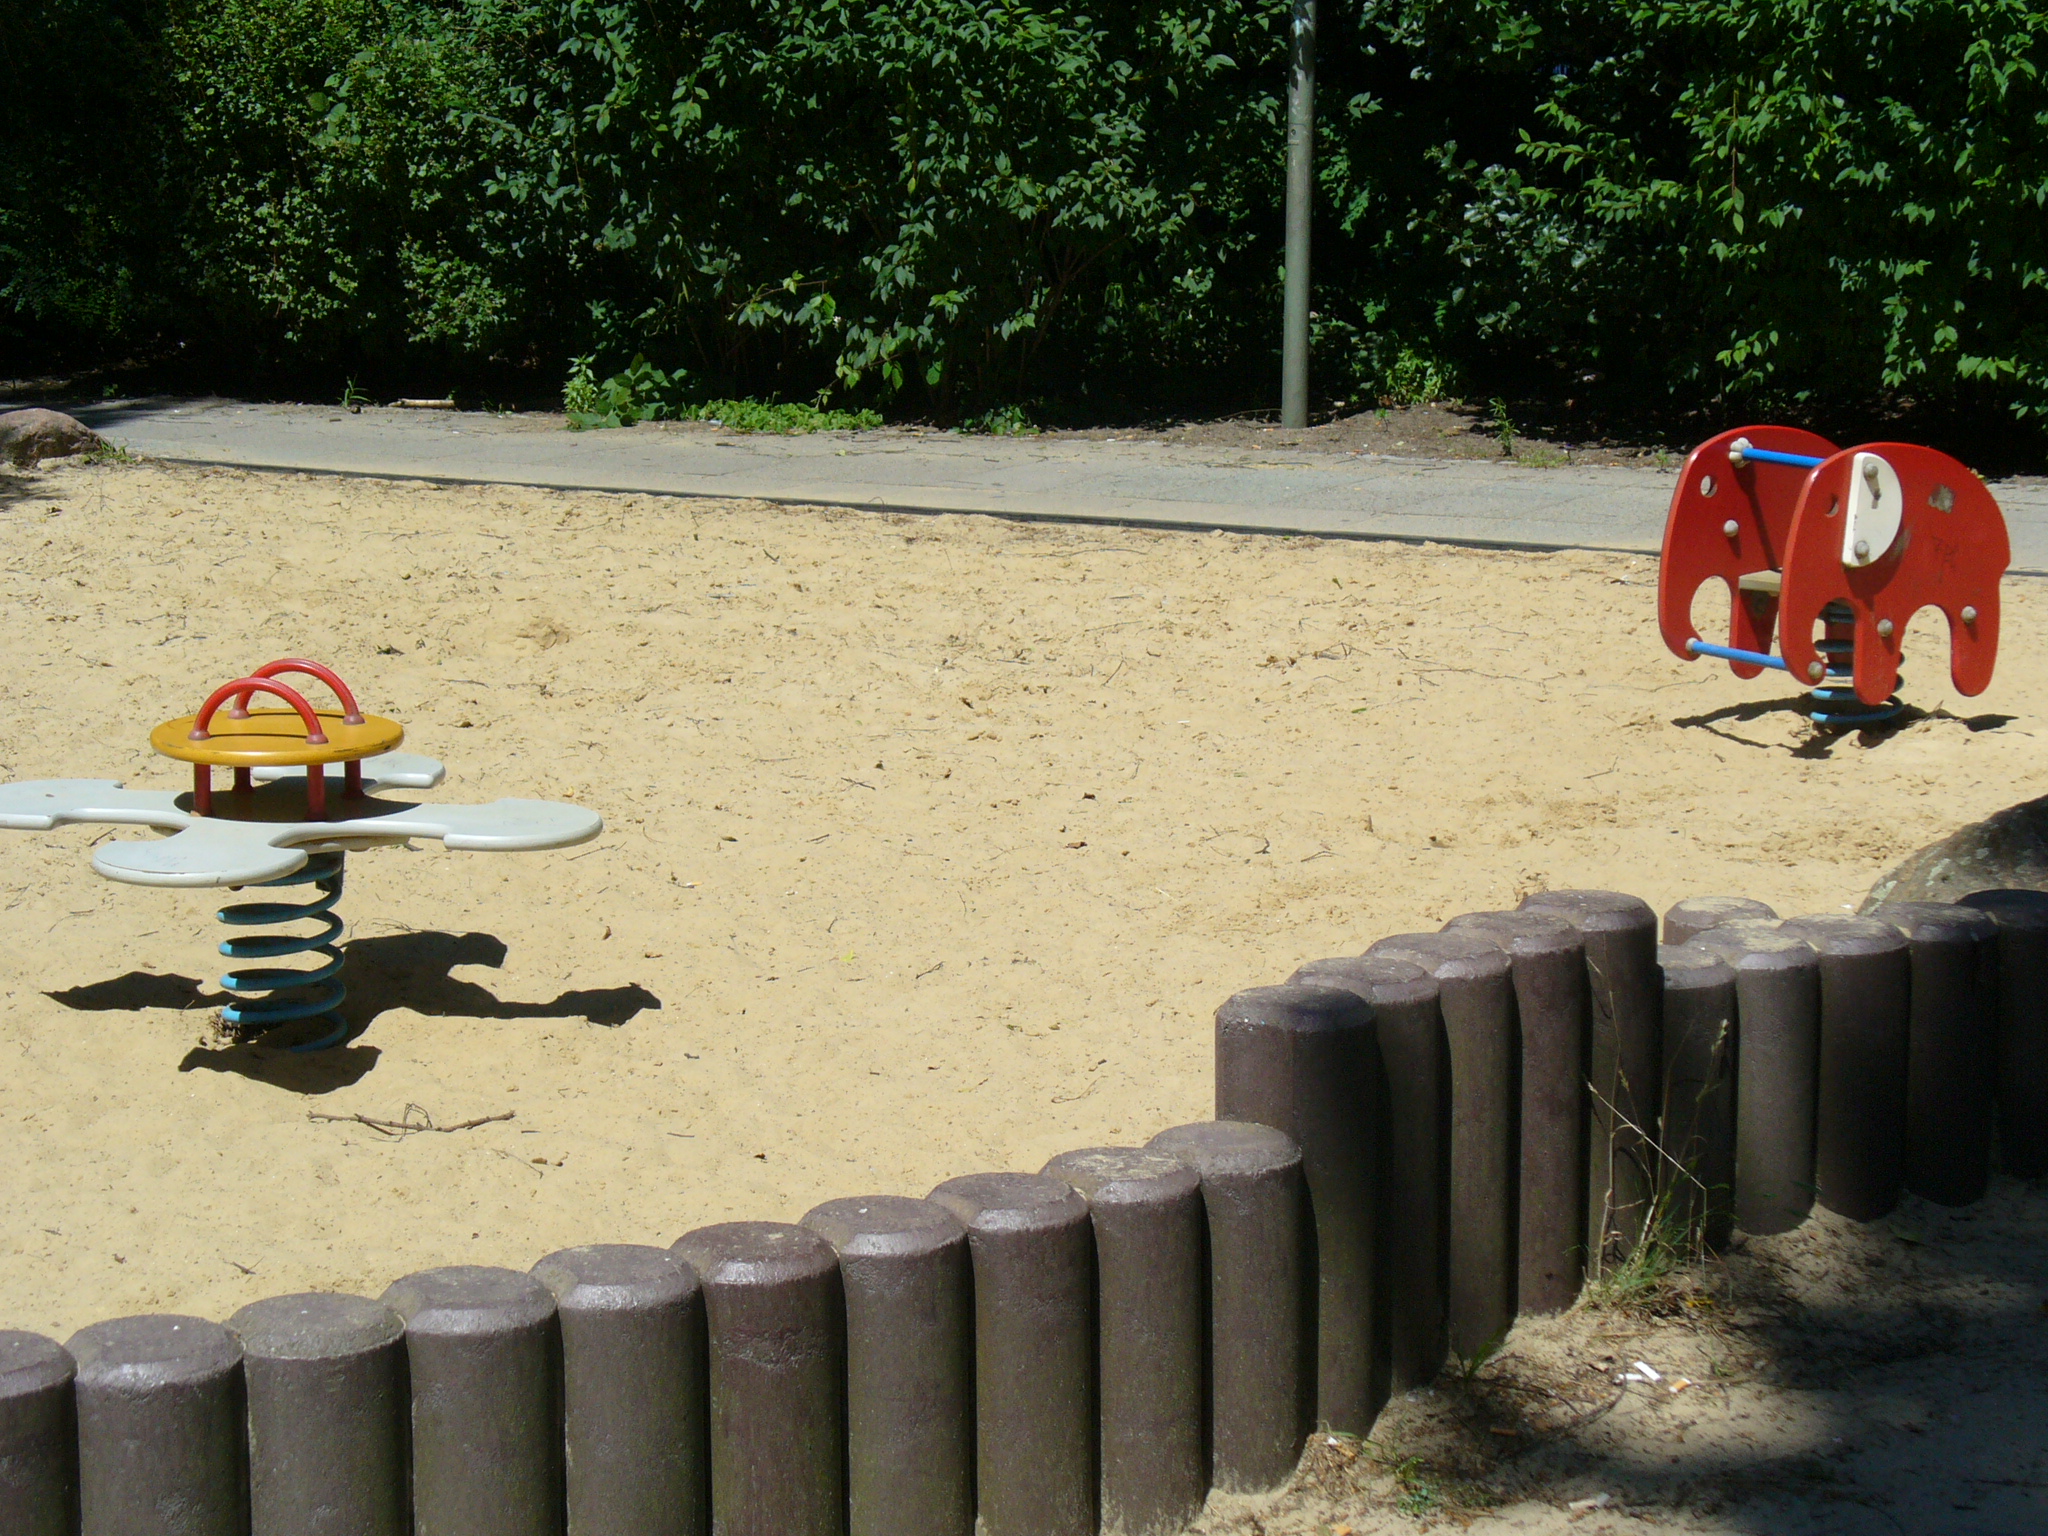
x,y
1301,111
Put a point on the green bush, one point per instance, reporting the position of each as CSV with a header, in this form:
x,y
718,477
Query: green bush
x,y
1795,203
951,207
944,200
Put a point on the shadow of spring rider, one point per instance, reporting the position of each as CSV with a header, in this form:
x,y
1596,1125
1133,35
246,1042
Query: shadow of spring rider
x,y
1854,541
282,825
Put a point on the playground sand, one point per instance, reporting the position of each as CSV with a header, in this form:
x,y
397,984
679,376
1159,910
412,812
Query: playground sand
x,y
932,843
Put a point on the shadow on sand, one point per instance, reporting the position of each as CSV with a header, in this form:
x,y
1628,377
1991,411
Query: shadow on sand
x,y
1818,743
405,970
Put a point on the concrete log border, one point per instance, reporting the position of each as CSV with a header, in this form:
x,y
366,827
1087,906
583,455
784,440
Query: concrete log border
x,y
1777,1072
1552,1007
1258,1324
1033,1259
1413,1147
1305,1060
634,1433
329,1407
1413,1198
903,1266
1475,994
775,1322
1145,1207
1624,1061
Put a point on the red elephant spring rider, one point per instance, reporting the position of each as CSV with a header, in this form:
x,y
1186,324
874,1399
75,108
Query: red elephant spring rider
x,y
1851,541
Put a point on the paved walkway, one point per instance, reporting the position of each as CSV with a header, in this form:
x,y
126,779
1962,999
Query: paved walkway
x,y
1161,485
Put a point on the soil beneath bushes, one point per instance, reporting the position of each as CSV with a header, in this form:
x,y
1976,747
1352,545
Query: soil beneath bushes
x,y
932,845
1442,431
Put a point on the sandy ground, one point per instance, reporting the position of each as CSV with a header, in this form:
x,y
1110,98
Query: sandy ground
x,y
932,844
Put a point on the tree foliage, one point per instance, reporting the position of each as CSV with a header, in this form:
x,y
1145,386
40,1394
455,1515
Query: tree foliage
x,y
949,205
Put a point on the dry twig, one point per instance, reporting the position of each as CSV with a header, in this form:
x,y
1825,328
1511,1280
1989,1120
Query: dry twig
x,y
407,1125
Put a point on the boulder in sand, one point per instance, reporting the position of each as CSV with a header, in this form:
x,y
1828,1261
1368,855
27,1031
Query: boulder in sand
x,y
29,437
2007,851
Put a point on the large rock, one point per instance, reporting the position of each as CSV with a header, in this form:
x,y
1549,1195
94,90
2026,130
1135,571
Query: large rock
x,y
29,437
2004,852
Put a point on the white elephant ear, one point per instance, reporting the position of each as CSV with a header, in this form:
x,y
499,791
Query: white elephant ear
x,y
206,853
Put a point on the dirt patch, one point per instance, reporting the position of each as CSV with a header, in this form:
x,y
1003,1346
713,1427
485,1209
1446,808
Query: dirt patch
x,y
1447,431
1841,1378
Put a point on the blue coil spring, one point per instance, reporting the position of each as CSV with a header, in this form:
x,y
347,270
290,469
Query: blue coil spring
x,y
282,995
1838,708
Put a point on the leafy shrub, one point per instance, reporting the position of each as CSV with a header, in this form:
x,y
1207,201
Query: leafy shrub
x,y
1002,421
1795,202
642,393
951,206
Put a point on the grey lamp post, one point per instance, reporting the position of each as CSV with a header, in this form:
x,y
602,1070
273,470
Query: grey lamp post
x,y
1301,133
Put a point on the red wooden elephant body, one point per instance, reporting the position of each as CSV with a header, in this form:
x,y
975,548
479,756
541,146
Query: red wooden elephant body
x,y
1855,541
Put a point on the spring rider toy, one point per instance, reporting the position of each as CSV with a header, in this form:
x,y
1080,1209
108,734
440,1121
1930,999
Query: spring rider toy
x,y
281,826
1856,540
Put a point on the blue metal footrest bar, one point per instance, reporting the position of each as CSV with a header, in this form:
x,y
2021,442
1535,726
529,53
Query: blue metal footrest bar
x,y
283,995
1772,456
1729,653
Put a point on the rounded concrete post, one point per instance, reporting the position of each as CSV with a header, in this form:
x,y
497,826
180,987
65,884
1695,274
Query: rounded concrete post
x,y
2022,918
327,1416
635,1414
484,1351
162,1427
1033,1257
1414,1156
1697,1129
909,1364
776,1321
38,1436
1696,914
1624,1060
1952,1047
1261,1368
1145,1206
1475,990
1866,989
1777,1072
1303,1060
1551,1010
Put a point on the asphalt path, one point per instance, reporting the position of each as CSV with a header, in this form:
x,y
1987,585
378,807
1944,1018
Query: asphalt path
x,y
1052,478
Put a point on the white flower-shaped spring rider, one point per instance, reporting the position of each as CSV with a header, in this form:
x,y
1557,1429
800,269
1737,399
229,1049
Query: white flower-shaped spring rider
x,y
281,826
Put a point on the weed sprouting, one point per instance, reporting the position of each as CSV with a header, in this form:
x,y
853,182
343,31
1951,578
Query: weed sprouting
x,y
756,416
1001,421
1674,1233
646,393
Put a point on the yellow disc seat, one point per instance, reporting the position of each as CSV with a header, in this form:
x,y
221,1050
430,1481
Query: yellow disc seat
x,y
299,736
276,738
